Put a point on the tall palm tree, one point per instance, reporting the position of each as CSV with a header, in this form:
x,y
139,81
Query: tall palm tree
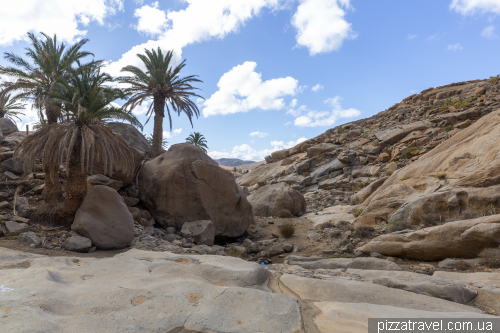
x,y
161,83
36,78
81,135
197,139
8,106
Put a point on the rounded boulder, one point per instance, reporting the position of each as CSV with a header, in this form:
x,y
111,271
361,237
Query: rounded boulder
x,y
270,199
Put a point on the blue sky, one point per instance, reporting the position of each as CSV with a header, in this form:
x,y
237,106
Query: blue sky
x,y
276,72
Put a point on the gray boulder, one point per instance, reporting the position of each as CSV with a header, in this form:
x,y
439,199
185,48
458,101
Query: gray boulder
x,y
103,180
77,244
15,229
30,238
105,219
7,126
203,232
15,164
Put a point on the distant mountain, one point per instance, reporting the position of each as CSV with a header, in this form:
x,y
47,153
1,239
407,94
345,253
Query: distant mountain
x,y
232,162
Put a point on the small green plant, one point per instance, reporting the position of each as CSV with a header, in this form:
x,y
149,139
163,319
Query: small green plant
x,y
448,128
359,148
405,178
365,136
356,214
357,186
287,230
440,175
234,169
375,143
262,183
494,79
491,209
285,213
430,118
389,173
305,174
409,150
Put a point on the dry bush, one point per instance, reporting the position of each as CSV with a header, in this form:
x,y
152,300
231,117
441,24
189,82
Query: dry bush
x,y
335,233
285,213
232,252
356,214
287,230
490,257
327,225
345,225
461,266
431,220
363,231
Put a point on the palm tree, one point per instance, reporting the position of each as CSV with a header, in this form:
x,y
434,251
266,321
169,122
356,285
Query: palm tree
x,y
162,84
81,136
197,139
36,78
164,142
8,106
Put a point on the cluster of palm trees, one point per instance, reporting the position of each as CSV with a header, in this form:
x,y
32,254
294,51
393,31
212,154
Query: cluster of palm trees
x,y
74,100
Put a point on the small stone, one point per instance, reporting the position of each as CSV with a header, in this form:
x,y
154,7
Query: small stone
x,y
328,252
10,175
276,250
4,204
188,245
92,249
30,238
39,176
359,254
171,230
77,244
20,219
275,236
288,247
375,255
299,214
270,222
15,229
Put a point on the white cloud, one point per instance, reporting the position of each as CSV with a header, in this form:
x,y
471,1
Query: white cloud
x,y
470,7
169,135
202,20
321,26
242,89
317,87
489,32
259,134
298,111
152,21
139,2
411,36
455,47
246,152
433,37
293,103
62,17
324,118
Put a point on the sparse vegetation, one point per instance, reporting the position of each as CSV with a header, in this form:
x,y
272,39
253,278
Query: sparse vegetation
x,y
405,178
359,212
389,173
287,230
409,150
345,131
448,128
440,175
490,257
456,105
285,213
357,186
365,136
363,231
232,252
359,148
494,79
305,174
262,183
375,143
198,140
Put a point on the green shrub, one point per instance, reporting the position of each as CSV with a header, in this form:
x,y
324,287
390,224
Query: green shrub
x,y
356,214
262,183
357,186
389,173
440,175
409,150
375,143
365,136
494,79
305,174
345,131
285,213
448,128
490,257
405,178
359,148
287,230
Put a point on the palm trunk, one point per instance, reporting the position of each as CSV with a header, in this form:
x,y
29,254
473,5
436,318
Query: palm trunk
x,y
75,187
158,106
52,189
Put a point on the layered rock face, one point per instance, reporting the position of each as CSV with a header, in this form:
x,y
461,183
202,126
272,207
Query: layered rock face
x,y
185,185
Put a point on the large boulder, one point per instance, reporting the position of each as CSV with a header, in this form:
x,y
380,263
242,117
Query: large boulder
x,y
7,126
270,199
185,185
105,219
15,164
202,232
139,147
461,239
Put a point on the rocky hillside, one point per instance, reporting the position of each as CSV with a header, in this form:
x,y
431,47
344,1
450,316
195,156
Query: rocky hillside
x,y
349,158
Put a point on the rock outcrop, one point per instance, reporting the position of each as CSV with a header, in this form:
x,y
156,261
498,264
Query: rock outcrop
x,y
185,185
